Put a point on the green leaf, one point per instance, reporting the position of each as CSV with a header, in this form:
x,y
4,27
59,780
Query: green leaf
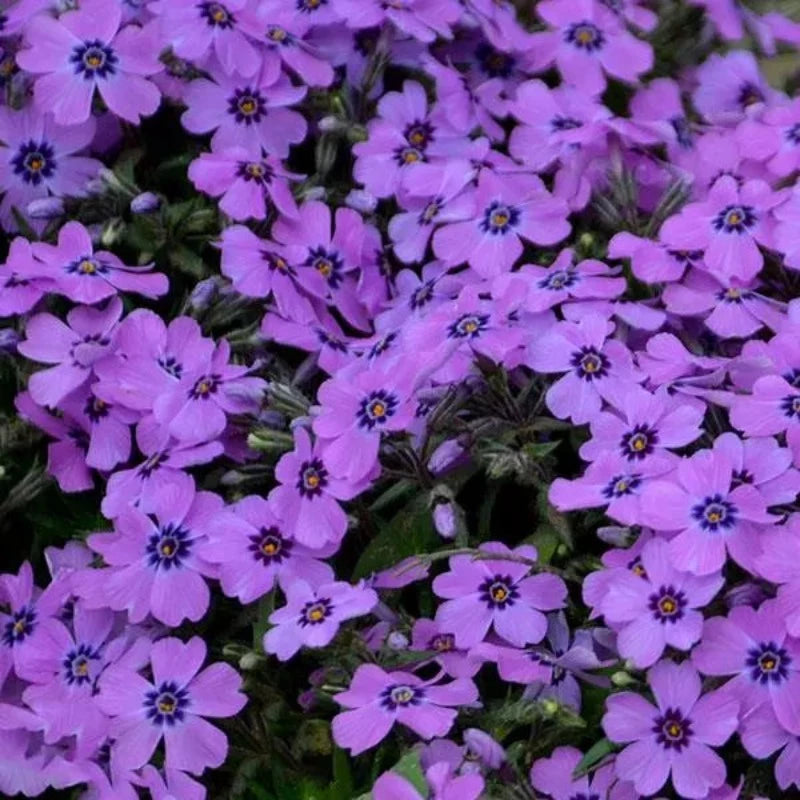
x,y
342,786
594,755
545,540
408,533
187,261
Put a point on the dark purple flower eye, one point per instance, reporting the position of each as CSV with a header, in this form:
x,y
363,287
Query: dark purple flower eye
x,y
768,663
621,485
22,624
94,59
313,478
216,15
328,263
168,548
247,106
255,171
715,513
428,214
673,730
96,409
166,704
590,364
419,134
733,295
376,408
667,604
585,36
308,6
793,133
639,442
78,665
468,326
750,94
269,546
499,591
401,695
683,131
315,612
637,568
280,36
560,123
735,219
442,643
34,161
558,280
499,218
791,405
205,387
495,63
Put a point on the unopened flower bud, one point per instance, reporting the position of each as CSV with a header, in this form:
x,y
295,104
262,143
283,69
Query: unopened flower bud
x,y
397,641
45,208
550,707
622,679
8,341
745,594
307,700
249,661
203,294
361,200
445,456
615,535
145,203
331,124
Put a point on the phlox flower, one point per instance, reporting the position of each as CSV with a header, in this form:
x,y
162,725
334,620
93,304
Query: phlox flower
x,y
170,784
588,42
86,50
75,270
762,735
424,20
787,239
39,159
28,623
164,461
247,186
729,309
66,457
778,563
505,210
73,348
772,407
71,660
595,367
553,776
673,738
658,607
262,268
751,646
311,616
253,552
357,406
652,262
284,38
564,280
149,359
712,512
195,408
644,425
427,634
249,113
21,285
376,700
333,246
444,784
308,494
731,87
27,766
196,30
153,562
173,707
613,482
496,593
728,226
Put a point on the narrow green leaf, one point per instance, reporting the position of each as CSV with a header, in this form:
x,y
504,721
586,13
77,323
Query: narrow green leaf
x,y
594,755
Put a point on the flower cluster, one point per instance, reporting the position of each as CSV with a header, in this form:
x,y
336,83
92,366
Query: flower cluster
x,y
470,253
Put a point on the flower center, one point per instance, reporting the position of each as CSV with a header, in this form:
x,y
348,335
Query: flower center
x,y
204,387
376,408
715,513
672,730
750,94
638,443
247,106
316,612
216,15
442,643
168,548
93,59
735,219
78,665
667,604
165,705
468,326
768,663
590,364
22,624
313,478
401,695
499,218
585,36
498,592
791,406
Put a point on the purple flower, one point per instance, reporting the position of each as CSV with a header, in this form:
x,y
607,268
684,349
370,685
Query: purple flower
x,y
21,286
764,663
307,495
71,662
154,564
778,563
587,42
84,276
553,776
773,407
673,738
728,308
196,30
495,593
311,616
252,550
332,246
171,784
172,707
248,113
445,785
652,262
165,459
762,735
38,160
504,210
596,367
195,408
646,426
73,347
427,634
150,358
712,513
657,608
424,20
84,50
727,227
357,407
377,699
245,185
